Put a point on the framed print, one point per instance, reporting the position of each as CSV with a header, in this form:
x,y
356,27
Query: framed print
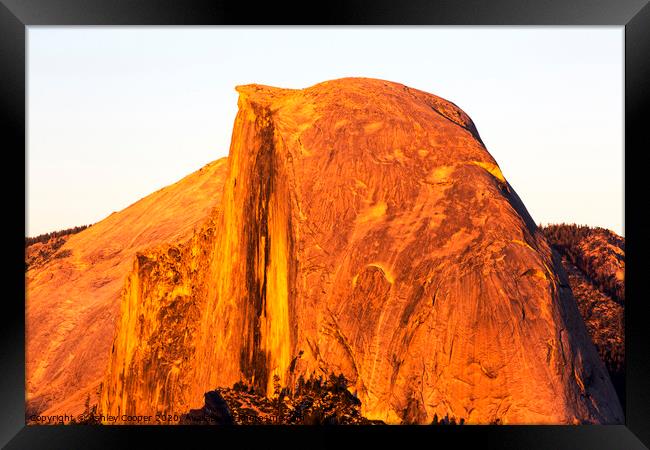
x,y
392,223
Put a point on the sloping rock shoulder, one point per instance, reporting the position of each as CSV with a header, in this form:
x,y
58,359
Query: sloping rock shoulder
x,y
73,298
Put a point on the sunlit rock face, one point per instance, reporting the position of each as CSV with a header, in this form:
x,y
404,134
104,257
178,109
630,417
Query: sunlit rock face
x,y
364,229
73,298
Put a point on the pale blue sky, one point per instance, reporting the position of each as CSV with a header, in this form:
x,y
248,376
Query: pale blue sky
x,y
115,113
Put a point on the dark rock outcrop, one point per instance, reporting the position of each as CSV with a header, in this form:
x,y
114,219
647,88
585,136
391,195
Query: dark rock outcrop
x,y
214,412
316,401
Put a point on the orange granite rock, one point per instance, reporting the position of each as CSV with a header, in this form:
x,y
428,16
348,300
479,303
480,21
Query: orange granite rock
x,y
364,224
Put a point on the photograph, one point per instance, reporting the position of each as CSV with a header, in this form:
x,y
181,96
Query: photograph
x,y
265,225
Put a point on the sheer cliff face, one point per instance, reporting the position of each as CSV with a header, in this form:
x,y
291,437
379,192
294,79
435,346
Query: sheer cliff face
x,y
364,224
73,297
160,315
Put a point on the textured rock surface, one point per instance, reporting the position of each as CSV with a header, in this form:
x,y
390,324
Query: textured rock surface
x,y
363,224
159,320
73,297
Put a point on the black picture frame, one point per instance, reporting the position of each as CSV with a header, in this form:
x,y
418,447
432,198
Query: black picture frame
x,y
634,15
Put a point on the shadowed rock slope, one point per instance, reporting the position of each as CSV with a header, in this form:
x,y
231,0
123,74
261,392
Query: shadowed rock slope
x,y
364,230
594,259
74,288
598,253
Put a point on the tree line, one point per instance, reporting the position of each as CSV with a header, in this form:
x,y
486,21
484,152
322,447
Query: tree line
x,y
54,234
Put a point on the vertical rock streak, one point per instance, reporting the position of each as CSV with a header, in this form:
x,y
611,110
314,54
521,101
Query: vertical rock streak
x,y
265,349
246,322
